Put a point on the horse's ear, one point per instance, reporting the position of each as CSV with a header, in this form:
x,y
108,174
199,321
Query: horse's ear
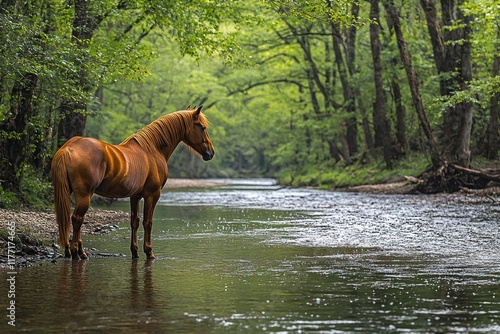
x,y
198,111
188,107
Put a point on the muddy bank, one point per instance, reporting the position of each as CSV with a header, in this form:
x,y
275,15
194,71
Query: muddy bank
x,y
489,194
29,237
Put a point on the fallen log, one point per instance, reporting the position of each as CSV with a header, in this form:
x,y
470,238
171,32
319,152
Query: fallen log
x,y
479,173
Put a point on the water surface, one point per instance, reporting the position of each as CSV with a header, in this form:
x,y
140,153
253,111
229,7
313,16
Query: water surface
x,y
253,257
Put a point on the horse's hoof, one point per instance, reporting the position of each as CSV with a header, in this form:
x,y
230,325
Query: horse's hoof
x,y
83,256
150,256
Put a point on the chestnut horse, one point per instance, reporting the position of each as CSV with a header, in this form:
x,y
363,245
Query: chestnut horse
x,y
137,168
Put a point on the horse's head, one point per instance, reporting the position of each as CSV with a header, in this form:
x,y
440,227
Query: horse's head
x,y
197,136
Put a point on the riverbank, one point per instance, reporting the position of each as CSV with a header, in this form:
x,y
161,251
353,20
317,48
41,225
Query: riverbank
x,y
30,237
487,194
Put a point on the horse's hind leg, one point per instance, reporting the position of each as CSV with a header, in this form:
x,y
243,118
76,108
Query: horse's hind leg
x,y
134,225
81,207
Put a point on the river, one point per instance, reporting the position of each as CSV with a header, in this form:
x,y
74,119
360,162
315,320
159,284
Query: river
x,y
253,257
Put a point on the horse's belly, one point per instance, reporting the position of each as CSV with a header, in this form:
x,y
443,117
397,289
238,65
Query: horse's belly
x,y
112,194
119,188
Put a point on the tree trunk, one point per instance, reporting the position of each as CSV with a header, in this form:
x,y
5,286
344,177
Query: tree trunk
x,y
350,60
73,120
413,82
380,121
17,145
492,132
73,112
351,132
334,150
364,120
452,55
402,141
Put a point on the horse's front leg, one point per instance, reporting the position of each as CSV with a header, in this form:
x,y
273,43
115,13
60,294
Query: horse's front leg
x,y
134,224
149,207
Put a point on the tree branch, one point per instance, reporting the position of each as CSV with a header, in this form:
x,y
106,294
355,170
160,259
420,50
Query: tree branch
x,y
475,172
262,83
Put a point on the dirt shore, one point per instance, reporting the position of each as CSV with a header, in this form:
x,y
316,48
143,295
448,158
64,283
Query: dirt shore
x,y
489,194
33,234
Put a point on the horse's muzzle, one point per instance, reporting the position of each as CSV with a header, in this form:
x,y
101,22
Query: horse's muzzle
x,y
208,155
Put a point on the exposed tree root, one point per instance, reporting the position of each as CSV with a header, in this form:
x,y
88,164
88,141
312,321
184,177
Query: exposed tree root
x,y
451,177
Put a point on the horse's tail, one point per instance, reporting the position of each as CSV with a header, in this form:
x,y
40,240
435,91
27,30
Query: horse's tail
x,y
62,194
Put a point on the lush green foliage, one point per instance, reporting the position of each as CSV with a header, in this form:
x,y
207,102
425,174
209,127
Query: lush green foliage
x,y
264,120
56,55
288,86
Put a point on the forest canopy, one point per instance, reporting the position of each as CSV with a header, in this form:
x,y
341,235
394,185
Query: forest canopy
x,y
297,90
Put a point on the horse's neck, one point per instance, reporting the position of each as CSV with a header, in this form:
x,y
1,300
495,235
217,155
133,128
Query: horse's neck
x,y
167,151
160,137
174,137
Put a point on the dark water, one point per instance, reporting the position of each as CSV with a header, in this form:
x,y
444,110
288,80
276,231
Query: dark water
x,y
251,257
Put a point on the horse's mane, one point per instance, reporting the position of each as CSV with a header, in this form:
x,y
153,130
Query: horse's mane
x,y
166,130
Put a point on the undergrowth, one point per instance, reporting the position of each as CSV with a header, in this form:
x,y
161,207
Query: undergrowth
x,y
340,175
34,193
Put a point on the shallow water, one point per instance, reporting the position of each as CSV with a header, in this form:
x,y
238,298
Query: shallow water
x,y
254,257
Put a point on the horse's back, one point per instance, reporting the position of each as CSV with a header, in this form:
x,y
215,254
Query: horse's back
x,y
83,151
110,170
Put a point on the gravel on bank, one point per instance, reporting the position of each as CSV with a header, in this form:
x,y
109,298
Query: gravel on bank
x,y
488,194
29,237
43,223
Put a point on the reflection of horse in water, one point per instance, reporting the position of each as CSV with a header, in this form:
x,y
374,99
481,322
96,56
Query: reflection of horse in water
x,y
71,286
97,297
137,168
142,291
